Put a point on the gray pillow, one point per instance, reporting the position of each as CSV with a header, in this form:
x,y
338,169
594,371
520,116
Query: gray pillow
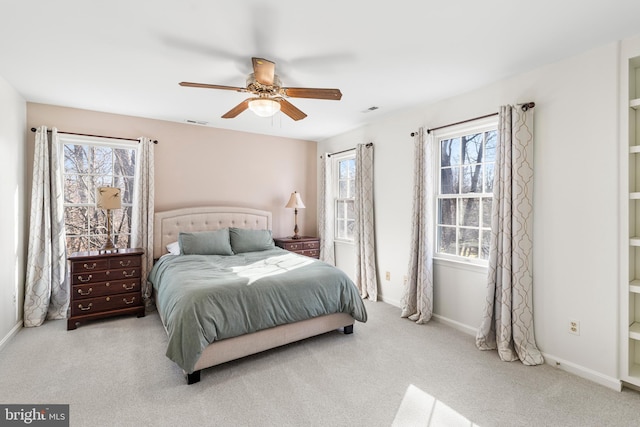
x,y
205,242
243,240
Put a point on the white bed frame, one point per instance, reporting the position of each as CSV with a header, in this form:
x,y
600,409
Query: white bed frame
x,y
167,226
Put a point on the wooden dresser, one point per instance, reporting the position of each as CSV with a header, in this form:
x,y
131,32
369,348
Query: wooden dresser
x,y
309,246
104,285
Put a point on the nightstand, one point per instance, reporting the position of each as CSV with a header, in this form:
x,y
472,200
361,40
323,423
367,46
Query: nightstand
x,y
309,246
105,285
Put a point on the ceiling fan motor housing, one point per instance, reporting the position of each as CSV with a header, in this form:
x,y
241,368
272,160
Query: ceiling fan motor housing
x,y
263,90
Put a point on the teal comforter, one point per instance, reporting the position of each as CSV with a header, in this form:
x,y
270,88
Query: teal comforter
x,y
206,298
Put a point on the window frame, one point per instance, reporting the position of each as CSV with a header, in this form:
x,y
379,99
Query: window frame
x,y
476,126
336,159
112,143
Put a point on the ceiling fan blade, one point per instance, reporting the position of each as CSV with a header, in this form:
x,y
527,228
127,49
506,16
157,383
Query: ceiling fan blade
x,y
208,86
264,71
291,110
237,109
305,92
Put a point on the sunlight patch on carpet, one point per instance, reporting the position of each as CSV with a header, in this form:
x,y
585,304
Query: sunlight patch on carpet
x,y
419,408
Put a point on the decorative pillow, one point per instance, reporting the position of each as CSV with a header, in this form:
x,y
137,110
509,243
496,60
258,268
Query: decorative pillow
x,y
244,240
205,242
173,248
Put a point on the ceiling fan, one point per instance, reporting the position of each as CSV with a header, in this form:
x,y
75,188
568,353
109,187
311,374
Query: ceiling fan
x,y
268,94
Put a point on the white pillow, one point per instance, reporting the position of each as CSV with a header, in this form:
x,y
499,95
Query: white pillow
x,y
174,248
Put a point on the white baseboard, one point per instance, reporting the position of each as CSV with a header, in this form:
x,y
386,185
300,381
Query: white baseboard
x,y
389,301
581,371
11,333
456,325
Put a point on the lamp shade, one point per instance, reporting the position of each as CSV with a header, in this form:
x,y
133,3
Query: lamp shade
x,y
109,198
264,107
295,201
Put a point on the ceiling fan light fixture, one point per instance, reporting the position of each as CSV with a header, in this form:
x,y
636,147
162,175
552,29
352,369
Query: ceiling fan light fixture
x,y
264,107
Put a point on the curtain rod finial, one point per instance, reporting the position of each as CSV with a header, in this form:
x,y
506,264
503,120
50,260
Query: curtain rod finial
x,y
528,106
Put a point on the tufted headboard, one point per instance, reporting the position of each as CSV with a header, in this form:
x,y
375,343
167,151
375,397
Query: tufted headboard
x,y
168,224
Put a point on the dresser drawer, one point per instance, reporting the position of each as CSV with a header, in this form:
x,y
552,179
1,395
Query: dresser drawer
x,y
105,288
313,253
129,273
89,277
89,266
293,247
105,303
124,262
311,245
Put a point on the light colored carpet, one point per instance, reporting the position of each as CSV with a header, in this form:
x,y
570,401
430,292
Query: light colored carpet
x,y
389,372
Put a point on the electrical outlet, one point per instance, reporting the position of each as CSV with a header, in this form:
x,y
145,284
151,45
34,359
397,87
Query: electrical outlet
x,y
574,327
387,275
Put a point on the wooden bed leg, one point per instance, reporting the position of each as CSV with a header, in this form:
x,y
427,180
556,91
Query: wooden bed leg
x,y
348,329
193,378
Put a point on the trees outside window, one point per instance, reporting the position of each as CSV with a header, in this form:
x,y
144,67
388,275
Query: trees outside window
x,y
465,193
87,166
345,179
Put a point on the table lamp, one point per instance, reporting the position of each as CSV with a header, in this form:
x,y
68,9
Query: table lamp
x,y
109,198
295,201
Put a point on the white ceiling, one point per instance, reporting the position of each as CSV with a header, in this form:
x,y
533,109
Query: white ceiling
x,y
127,56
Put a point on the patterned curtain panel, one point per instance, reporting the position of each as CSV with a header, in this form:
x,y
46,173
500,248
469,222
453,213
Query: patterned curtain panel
x,y
46,287
325,214
417,300
143,210
508,317
364,238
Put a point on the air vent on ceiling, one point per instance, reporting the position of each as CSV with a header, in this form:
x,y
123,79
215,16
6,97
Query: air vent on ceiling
x,y
197,122
374,108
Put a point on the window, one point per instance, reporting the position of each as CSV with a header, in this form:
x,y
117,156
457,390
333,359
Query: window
x,y
465,193
345,180
90,163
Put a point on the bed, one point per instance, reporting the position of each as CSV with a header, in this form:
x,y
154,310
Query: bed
x,y
219,304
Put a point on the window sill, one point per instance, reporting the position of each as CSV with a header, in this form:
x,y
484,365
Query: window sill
x,y
460,265
344,242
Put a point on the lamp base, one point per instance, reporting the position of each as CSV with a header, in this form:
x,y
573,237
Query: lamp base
x,y
108,244
108,247
295,229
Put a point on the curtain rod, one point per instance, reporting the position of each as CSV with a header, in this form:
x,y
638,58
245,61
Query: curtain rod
x,y
526,106
370,144
155,141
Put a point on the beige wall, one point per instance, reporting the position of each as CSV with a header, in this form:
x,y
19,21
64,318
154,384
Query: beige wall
x,y
198,166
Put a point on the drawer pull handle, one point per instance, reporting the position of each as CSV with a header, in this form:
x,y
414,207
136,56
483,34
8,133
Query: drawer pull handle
x,y
85,280
125,263
133,299
86,266
124,273
85,293
85,308
128,288
107,284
